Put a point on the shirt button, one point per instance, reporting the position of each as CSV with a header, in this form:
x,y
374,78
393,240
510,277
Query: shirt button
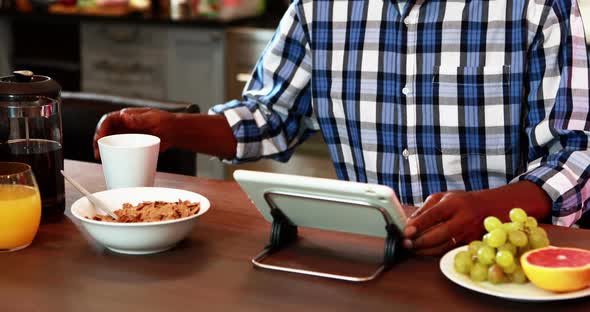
x,y
408,21
406,91
406,153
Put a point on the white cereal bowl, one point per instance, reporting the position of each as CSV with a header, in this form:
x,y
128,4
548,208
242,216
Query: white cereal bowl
x,y
138,238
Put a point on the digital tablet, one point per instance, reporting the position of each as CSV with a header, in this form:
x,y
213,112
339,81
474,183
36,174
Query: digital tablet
x,y
325,204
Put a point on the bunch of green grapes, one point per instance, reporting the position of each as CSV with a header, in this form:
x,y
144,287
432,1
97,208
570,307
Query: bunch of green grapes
x,y
496,258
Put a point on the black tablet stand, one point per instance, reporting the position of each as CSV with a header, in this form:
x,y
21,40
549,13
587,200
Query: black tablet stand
x,y
284,233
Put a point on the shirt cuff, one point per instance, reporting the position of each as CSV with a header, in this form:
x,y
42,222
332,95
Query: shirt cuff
x,y
234,114
561,185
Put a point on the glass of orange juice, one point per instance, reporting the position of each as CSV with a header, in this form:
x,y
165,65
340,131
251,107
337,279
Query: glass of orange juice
x,y
20,206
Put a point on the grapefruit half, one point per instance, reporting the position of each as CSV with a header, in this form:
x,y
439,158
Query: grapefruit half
x,y
557,269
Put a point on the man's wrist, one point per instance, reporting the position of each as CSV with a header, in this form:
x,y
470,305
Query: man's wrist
x,y
484,199
523,194
171,129
201,133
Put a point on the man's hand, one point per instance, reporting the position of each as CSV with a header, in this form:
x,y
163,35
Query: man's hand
x,y
454,218
445,219
137,120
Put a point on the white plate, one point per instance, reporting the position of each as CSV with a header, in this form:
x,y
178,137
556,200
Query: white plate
x,y
517,292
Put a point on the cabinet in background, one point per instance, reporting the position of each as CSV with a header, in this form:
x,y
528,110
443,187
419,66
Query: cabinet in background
x,y
195,66
126,60
157,62
194,73
243,49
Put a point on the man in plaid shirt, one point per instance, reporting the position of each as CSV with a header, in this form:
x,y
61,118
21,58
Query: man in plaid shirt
x,y
465,108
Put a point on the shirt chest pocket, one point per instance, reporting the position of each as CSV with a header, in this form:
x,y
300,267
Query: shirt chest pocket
x,y
472,104
471,86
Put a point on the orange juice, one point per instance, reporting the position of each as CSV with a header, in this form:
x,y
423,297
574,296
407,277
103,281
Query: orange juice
x,y
20,214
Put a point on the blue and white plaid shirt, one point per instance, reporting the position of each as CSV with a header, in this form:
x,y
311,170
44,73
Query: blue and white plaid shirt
x,y
449,94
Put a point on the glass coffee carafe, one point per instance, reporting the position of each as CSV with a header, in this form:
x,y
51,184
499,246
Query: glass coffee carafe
x,y
31,132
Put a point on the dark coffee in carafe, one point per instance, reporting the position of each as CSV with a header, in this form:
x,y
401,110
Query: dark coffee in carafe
x,y
46,159
30,132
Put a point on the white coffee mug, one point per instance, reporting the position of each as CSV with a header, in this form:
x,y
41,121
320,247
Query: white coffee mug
x,y
129,160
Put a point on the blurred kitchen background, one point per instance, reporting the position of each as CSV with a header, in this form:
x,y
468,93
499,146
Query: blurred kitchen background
x,y
173,52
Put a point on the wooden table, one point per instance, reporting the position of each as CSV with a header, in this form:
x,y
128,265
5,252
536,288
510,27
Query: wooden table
x,y
63,270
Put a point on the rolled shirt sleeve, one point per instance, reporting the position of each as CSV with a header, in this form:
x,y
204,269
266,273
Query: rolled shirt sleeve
x,y
275,114
558,119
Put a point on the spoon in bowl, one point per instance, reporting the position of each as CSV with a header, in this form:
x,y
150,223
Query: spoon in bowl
x,y
91,198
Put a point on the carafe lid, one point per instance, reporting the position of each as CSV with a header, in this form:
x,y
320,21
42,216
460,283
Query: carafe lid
x,y
26,83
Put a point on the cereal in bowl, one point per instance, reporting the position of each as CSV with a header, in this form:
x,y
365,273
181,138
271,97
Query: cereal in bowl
x,y
152,212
